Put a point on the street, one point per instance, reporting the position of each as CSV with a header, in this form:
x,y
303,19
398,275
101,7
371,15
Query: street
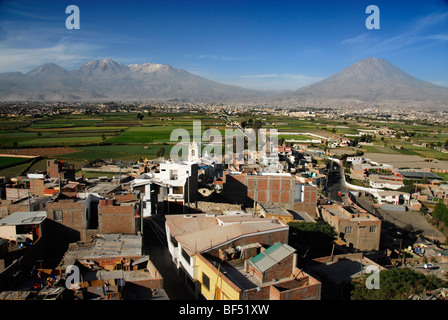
x,y
335,183
154,245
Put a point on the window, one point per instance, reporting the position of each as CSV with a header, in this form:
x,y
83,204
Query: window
x,y
205,281
178,190
348,229
174,242
186,256
57,215
372,228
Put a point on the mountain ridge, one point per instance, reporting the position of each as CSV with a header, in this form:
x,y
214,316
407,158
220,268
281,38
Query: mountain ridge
x,y
372,80
366,82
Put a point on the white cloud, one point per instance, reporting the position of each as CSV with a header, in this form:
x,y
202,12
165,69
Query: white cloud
x,y
24,59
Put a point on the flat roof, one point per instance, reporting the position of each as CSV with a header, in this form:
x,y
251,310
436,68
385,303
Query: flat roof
x,y
201,232
24,218
419,174
105,246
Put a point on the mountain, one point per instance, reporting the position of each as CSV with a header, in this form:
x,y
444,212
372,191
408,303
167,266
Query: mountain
x,y
372,81
109,79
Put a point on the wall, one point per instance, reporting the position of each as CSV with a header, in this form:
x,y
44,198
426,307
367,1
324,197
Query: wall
x,y
74,217
360,237
227,289
115,218
278,189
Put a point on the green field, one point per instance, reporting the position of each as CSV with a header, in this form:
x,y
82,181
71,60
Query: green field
x,y
122,136
9,160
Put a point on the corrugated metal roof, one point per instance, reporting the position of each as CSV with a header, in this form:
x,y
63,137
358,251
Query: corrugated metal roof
x,y
271,256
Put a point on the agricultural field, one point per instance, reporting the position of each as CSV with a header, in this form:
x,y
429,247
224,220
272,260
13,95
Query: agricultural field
x,y
124,136
9,160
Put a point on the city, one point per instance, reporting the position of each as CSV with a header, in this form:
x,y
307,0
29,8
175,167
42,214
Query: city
x,y
223,158
326,204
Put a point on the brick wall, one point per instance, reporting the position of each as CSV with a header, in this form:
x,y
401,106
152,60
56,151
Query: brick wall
x,y
269,189
266,239
73,215
116,218
37,187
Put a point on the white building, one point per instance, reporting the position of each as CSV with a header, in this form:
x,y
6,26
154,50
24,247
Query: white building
x,y
392,197
175,183
357,160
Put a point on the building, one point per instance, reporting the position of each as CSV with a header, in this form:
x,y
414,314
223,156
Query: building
x,y
359,230
270,188
171,190
60,170
77,219
20,226
273,211
217,236
112,267
392,197
269,275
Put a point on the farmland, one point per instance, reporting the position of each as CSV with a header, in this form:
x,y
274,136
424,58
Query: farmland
x,y
124,136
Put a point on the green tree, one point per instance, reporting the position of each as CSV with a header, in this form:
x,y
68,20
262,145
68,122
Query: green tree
x,y
315,237
395,284
440,213
160,152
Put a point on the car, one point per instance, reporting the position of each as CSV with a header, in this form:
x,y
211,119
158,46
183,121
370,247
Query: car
x,y
429,266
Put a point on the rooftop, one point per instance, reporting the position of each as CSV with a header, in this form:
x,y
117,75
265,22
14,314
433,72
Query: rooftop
x,y
105,246
271,256
24,218
201,232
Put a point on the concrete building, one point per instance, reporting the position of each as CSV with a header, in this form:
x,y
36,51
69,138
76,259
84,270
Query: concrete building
x,y
359,230
392,197
170,190
20,226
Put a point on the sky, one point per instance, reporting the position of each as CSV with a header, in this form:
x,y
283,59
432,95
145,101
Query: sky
x,y
254,44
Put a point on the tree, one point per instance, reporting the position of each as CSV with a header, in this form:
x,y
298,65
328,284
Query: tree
x,y
395,284
440,213
160,152
315,237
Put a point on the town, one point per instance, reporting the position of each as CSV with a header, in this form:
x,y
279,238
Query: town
x,y
307,221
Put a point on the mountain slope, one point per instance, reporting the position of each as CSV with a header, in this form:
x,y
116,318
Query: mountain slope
x,y
109,79
372,81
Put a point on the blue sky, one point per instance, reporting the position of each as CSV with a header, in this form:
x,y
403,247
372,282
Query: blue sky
x,y
255,44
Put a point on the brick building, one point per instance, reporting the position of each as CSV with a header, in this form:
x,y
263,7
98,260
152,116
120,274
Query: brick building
x,y
269,275
117,217
60,169
275,188
78,219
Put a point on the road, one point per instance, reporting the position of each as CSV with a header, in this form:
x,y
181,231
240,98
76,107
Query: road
x,y
335,183
154,245
402,220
